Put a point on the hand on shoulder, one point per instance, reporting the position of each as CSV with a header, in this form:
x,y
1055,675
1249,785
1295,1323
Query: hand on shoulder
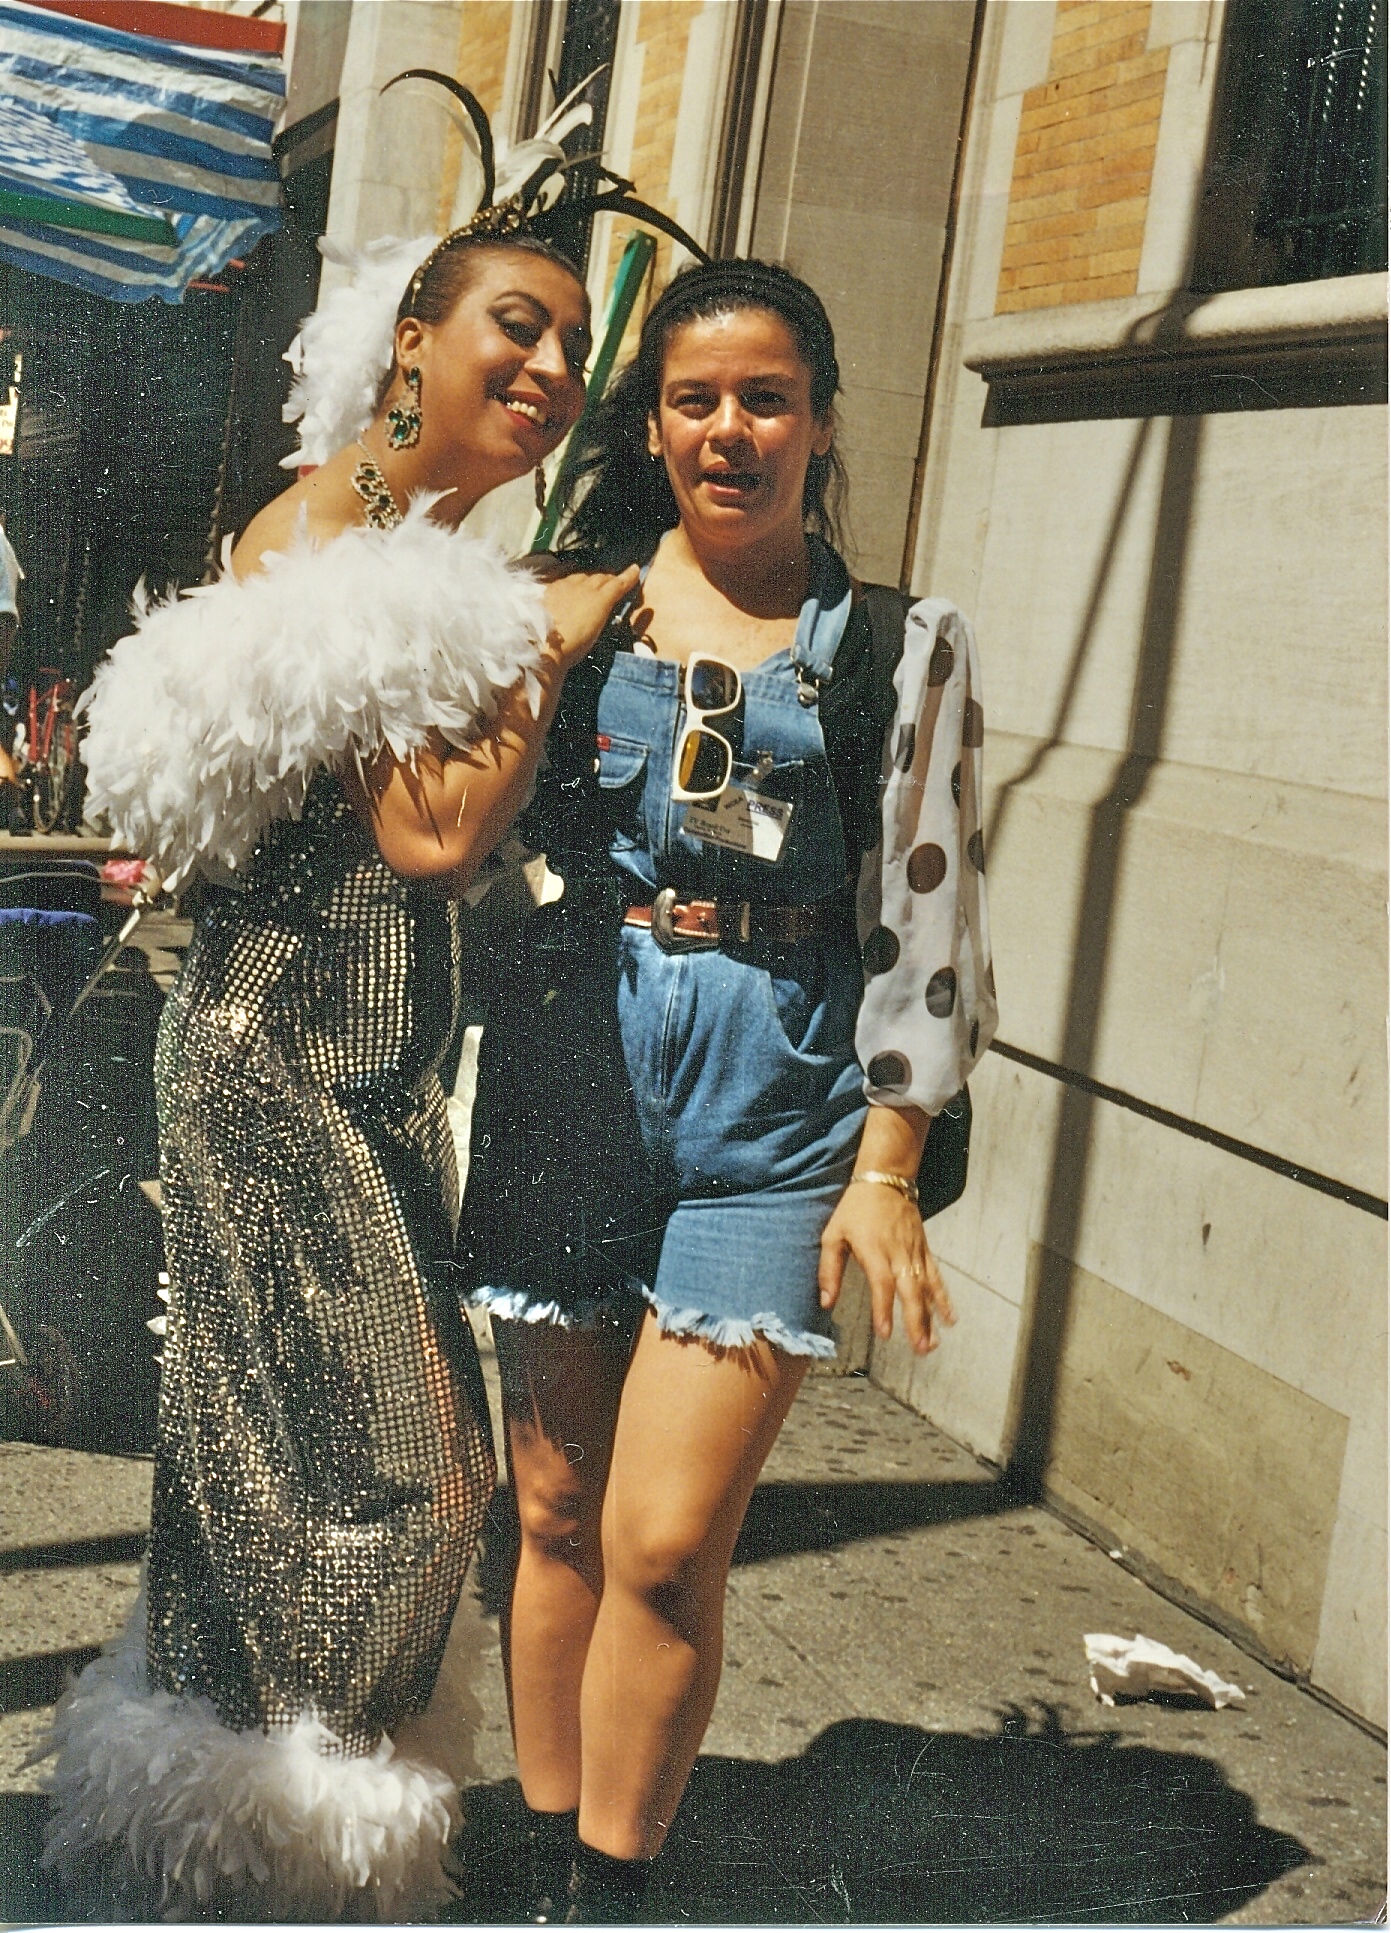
x,y
579,604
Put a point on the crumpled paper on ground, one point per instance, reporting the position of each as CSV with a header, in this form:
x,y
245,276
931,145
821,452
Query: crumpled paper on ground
x,y
1134,1667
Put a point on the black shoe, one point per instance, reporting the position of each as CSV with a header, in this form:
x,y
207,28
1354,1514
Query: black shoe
x,y
551,1839
605,1891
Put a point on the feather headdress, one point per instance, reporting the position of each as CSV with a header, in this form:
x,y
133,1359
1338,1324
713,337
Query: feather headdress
x,y
345,348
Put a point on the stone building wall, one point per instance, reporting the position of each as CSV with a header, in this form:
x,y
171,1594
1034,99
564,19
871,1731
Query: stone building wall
x,y
1170,1264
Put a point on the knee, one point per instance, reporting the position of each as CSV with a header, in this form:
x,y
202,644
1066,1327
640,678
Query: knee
x,y
669,1563
558,1518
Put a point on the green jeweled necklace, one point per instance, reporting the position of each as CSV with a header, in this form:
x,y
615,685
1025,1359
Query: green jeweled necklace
x,y
383,511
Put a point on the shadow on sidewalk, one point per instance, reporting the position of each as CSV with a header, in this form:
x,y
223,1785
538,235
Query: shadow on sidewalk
x,y
26,1894
785,1519
28,1684
879,1823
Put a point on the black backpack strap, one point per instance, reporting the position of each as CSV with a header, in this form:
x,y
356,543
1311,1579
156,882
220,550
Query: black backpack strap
x,y
888,618
858,706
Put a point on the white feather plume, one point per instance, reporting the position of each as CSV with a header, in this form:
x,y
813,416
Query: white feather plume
x,y
210,720
516,165
345,348
224,1824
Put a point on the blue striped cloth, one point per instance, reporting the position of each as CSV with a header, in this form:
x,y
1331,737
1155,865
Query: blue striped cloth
x,y
132,126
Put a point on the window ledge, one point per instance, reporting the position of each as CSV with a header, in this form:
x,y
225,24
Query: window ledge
x,y
1299,345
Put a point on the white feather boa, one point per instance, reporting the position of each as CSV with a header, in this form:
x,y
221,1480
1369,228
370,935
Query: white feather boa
x,y
210,720
159,1808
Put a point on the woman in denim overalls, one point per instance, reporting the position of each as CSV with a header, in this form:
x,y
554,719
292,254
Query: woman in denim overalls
x,y
682,1073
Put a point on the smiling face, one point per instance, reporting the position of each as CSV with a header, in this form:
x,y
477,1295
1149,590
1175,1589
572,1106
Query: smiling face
x,y
735,428
502,376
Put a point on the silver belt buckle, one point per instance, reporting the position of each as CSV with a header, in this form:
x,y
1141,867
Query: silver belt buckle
x,y
665,934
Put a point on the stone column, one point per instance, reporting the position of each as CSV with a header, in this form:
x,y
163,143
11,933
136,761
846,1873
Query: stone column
x,y
390,150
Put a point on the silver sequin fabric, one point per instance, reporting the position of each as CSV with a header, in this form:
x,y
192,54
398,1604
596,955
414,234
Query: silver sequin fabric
x,y
323,1457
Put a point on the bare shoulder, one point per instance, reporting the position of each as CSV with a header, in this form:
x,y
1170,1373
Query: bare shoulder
x,y
316,508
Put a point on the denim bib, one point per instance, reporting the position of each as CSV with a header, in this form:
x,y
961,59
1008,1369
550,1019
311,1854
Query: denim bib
x,y
776,734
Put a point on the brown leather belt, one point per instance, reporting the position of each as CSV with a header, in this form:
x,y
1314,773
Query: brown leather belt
x,y
702,925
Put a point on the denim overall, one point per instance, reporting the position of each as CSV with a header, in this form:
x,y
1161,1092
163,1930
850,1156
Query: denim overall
x,y
743,1104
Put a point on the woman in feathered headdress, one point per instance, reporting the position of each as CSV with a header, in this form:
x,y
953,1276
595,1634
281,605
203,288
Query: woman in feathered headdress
x,y
335,735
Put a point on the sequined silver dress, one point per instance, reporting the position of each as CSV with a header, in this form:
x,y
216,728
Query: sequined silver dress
x,y
323,1458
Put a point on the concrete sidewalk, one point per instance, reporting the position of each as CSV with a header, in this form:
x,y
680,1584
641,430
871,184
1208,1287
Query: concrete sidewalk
x,y
904,1732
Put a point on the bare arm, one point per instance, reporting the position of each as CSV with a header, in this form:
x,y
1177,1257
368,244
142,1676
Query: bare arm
x,y
440,816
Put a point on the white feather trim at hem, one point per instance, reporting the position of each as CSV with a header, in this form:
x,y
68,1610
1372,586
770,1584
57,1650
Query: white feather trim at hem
x,y
236,1824
210,720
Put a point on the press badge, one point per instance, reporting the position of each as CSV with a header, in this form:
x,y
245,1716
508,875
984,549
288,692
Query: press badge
x,y
742,820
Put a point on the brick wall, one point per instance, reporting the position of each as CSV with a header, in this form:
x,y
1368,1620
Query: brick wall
x,y
1083,161
485,29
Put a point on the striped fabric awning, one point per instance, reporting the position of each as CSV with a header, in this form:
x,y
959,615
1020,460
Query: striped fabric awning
x,y
131,164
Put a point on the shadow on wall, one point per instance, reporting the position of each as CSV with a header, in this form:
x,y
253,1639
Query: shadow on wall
x,y
1047,1319
878,1823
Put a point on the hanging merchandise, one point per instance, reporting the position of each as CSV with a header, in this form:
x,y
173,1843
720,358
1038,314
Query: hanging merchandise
x,y
133,162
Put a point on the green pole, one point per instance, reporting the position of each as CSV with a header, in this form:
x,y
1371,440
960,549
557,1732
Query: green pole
x,y
637,259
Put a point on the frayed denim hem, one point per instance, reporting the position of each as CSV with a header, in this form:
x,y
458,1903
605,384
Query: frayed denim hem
x,y
734,1332
515,1305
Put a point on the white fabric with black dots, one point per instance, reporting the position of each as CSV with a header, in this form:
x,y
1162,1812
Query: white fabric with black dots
x,y
929,1007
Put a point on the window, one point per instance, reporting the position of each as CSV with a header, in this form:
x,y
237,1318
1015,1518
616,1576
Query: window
x,y
736,135
1296,186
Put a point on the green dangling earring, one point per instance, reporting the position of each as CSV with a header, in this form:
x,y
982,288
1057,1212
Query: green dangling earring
x,y
403,419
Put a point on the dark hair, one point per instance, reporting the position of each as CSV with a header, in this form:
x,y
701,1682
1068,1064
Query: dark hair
x,y
450,276
620,495
452,272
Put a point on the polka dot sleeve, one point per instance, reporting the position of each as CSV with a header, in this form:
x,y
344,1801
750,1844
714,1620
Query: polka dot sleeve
x,y
929,1006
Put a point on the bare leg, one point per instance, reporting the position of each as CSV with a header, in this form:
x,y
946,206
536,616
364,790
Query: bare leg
x,y
560,1391
694,1428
